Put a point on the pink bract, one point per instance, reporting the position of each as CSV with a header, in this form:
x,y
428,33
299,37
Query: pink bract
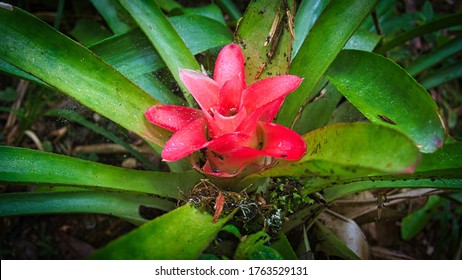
x,y
233,129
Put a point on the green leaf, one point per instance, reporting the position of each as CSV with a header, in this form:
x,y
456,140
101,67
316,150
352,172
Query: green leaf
x,y
351,150
334,190
347,231
210,11
25,166
169,6
252,34
133,55
439,54
441,169
70,115
89,31
435,25
115,15
123,205
388,96
230,8
318,112
284,248
331,244
8,94
201,33
447,158
253,248
38,49
330,33
233,230
164,38
363,41
180,234
307,14
8,69
414,223
346,112
442,76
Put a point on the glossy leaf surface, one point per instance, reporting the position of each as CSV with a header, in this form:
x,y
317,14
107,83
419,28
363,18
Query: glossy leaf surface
x,y
210,11
40,50
123,205
180,234
441,169
307,14
133,55
330,33
164,38
351,149
388,97
25,166
264,36
318,112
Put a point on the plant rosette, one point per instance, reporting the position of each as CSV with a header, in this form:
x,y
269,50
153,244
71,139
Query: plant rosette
x,y
232,132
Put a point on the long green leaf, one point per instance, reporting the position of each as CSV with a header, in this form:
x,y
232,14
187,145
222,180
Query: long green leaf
x,y
73,116
439,54
133,55
201,33
164,38
332,244
265,39
330,33
210,11
25,166
40,50
230,8
415,222
349,150
441,23
442,76
448,157
307,14
180,234
8,69
115,15
334,190
123,205
441,169
318,113
388,96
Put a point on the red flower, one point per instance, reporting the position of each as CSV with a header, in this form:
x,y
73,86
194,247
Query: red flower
x,y
233,130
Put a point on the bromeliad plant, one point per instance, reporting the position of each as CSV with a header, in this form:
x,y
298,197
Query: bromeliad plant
x,y
268,133
234,129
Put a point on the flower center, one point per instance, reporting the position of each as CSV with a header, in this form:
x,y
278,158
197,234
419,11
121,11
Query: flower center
x,y
228,112
231,112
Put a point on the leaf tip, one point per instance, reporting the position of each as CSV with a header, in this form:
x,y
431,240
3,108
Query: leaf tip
x,y
6,6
